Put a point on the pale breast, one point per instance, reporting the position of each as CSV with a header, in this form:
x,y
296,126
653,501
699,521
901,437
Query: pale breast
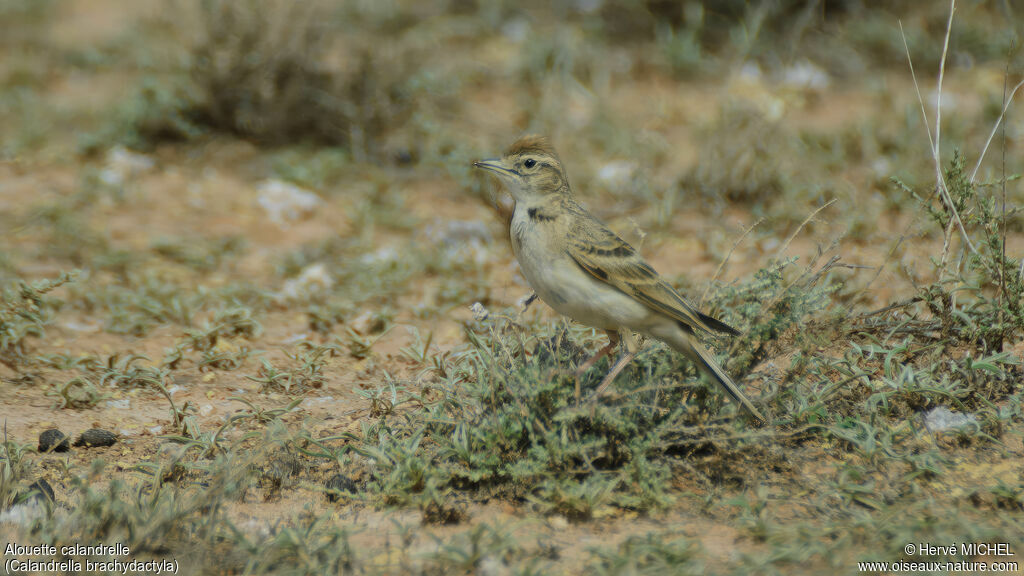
x,y
562,284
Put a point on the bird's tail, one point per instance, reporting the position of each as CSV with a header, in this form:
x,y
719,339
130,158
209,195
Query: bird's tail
x,y
702,357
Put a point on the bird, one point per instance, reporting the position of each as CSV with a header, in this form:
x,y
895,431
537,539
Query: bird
x,y
579,267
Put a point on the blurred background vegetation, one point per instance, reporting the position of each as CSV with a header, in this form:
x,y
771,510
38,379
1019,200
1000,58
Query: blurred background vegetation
x,y
246,236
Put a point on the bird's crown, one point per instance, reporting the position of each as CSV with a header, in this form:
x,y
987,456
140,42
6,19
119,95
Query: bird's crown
x,y
531,144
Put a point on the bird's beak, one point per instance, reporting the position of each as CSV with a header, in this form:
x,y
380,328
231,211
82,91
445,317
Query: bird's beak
x,y
496,165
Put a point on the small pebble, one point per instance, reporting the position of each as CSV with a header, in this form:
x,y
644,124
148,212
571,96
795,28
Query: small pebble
x,y
558,522
941,418
338,484
24,514
285,202
96,437
404,156
53,440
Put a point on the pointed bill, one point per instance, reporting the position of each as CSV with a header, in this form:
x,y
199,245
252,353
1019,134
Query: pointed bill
x,y
496,165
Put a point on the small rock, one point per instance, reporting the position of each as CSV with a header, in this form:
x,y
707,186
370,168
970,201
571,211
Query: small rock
x,y
461,239
368,322
881,167
458,233
750,72
257,527
337,485
81,326
558,522
96,437
747,88
805,76
404,156
313,280
383,256
492,566
24,514
123,164
941,418
293,339
53,440
285,202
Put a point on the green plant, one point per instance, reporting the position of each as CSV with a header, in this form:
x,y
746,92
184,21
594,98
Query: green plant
x,y
307,374
215,341
15,467
982,302
202,256
24,312
505,420
654,553
775,306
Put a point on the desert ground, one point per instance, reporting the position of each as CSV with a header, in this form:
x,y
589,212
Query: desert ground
x,y
243,251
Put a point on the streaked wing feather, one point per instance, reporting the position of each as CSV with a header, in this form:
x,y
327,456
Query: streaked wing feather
x,y
610,259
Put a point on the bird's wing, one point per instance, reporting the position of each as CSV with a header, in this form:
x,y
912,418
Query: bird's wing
x,y
610,259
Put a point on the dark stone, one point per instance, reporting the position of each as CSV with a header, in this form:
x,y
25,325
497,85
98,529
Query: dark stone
x,y
96,437
404,156
53,440
337,485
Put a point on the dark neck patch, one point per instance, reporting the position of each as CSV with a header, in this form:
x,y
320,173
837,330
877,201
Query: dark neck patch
x,y
536,215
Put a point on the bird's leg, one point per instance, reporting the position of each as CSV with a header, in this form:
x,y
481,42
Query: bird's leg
x,y
613,341
631,350
526,303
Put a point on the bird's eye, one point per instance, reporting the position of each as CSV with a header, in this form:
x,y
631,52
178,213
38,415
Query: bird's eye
x,y
530,163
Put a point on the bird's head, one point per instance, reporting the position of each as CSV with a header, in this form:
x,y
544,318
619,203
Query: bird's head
x,y
529,168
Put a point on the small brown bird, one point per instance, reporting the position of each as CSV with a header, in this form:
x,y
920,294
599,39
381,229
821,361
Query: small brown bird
x,y
585,271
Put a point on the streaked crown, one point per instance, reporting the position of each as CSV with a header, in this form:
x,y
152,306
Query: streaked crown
x,y
532,144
